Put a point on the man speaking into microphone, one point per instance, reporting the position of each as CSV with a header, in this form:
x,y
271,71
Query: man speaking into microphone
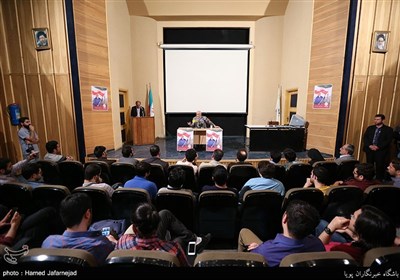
x,y
138,110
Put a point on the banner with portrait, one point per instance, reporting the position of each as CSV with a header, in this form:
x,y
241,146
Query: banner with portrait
x,y
184,139
322,97
99,98
213,139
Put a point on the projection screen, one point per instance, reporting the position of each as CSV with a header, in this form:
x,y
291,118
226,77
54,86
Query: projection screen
x,y
209,80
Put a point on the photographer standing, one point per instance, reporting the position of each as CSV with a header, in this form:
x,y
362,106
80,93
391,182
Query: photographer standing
x,y
28,138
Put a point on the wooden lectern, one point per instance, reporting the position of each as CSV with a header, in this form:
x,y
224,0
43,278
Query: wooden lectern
x,y
143,130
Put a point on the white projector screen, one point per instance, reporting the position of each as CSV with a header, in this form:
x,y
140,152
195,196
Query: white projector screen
x,y
212,81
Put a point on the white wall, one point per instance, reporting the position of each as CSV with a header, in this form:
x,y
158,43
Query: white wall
x,y
297,28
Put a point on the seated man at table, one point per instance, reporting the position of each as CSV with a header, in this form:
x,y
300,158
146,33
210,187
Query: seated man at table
x,y
200,121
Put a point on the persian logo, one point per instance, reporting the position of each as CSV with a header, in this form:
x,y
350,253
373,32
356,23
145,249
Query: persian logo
x,y
12,256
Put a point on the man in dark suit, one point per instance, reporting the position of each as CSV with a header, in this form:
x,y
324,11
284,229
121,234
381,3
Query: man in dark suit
x,y
138,110
377,140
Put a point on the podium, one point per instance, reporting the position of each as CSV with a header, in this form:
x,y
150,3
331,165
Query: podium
x,y
143,131
187,137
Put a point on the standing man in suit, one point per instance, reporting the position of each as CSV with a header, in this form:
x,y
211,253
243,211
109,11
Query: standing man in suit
x,y
138,110
377,140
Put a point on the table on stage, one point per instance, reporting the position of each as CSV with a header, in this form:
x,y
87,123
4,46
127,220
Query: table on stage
x,y
267,138
187,137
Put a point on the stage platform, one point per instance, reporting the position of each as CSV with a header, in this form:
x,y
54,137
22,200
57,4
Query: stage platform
x,y
230,146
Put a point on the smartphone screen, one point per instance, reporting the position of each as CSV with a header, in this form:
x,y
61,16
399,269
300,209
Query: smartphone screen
x,y
105,231
192,248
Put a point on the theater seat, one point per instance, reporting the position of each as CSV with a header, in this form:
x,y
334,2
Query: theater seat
x,y
335,259
141,258
382,258
228,259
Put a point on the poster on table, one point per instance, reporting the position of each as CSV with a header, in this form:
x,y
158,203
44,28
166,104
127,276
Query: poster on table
x,y
213,139
99,98
184,139
322,97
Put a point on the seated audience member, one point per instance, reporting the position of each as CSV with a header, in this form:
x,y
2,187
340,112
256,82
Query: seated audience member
x,y
32,173
17,231
9,172
290,156
100,152
369,227
266,181
220,178
364,174
319,179
155,158
314,156
216,157
394,172
93,179
241,157
190,160
54,152
346,153
276,156
298,223
127,154
176,179
200,121
76,214
140,180
149,230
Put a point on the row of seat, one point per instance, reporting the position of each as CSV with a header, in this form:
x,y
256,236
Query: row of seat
x,y
70,173
377,258
215,212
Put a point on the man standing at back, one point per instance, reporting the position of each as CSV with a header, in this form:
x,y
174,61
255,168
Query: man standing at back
x,y
28,138
377,140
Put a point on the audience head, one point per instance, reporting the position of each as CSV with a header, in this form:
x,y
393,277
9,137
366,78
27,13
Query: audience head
x,y
276,156
5,166
393,168
321,174
198,114
190,155
378,120
127,151
154,150
220,175
91,171
176,178
373,227
266,169
143,169
347,149
314,155
145,219
32,171
25,122
52,147
241,155
218,154
289,154
100,151
74,208
364,171
301,219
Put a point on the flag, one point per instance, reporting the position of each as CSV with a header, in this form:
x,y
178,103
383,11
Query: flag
x,y
151,106
278,105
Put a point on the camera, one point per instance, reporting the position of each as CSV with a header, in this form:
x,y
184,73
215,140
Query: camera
x,y
30,149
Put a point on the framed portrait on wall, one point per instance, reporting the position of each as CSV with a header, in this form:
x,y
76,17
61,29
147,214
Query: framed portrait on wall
x,y
41,38
380,41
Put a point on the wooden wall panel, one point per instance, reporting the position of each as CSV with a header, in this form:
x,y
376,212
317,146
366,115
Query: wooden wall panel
x,y
326,67
66,118
381,72
12,37
58,38
37,94
364,38
26,25
92,48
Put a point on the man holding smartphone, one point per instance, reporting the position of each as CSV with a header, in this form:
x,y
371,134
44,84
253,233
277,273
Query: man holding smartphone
x,y
28,138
